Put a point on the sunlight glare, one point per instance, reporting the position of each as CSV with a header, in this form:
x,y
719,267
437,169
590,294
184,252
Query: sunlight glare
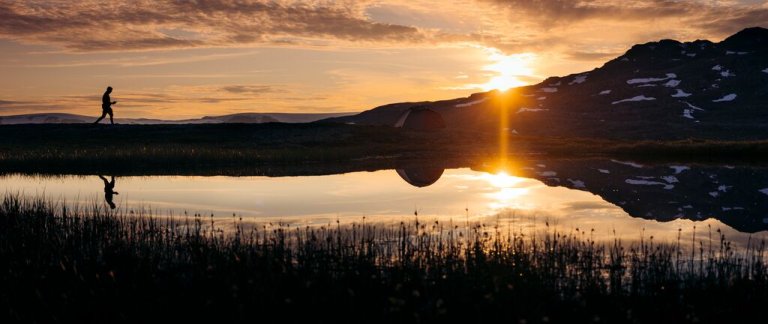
x,y
503,180
508,69
506,194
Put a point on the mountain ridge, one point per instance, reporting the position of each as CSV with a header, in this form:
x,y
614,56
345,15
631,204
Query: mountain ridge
x,y
249,118
654,91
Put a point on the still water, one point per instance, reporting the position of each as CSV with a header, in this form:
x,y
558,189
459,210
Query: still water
x,y
616,199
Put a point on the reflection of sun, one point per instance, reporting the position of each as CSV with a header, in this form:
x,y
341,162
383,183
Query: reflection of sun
x,y
508,69
502,180
505,190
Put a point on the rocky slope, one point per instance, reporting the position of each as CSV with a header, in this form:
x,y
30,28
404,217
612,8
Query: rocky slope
x,y
658,90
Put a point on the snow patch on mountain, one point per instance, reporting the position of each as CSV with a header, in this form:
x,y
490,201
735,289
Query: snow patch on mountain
x,y
672,83
648,183
679,168
471,103
680,94
577,183
647,80
729,97
578,79
605,92
727,74
717,67
548,90
670,179
635,98
632,164
688,113
522,110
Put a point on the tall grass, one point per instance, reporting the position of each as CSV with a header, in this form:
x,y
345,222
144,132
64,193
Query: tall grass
x,y
91,264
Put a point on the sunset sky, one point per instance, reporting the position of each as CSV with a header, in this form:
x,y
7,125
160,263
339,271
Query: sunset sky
x,y
187,59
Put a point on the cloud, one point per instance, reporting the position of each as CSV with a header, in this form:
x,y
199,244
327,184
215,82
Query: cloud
x,y
553,12
10,107
586,205
249,89
134,25
510,25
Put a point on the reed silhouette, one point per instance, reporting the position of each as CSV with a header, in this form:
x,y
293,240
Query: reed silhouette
x,y
106,107
109,191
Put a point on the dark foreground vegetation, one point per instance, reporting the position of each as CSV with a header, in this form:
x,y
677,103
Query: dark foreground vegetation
x,y
91,265
254,149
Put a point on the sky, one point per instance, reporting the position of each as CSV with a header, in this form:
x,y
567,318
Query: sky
x,y
188,59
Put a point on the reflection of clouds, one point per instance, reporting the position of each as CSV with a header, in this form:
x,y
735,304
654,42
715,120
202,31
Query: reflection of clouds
x,y
508,198
586,205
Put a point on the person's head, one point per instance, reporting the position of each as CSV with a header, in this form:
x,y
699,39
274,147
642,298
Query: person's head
x,y
109,89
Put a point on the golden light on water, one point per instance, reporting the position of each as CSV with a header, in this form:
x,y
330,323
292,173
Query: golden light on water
x,y
508,69
502,179
507,192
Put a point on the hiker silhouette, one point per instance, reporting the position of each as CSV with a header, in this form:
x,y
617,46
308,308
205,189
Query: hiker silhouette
x,y
106,106
109,191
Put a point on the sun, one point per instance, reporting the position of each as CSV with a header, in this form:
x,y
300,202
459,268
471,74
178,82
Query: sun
x,y
508,70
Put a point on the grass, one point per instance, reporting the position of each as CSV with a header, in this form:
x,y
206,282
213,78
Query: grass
x,y
239,149
88,264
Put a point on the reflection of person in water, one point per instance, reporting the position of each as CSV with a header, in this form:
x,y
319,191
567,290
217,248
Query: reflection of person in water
x,y
106,106
109,191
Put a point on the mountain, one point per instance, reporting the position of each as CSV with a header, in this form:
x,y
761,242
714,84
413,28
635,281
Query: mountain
x,y
657,90
245,118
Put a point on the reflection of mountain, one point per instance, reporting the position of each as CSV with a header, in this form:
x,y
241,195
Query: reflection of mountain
x,y
420,177
735,195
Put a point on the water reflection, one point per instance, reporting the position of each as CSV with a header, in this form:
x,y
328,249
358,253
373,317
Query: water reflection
x,y
735,195
610,195
421,177
109,191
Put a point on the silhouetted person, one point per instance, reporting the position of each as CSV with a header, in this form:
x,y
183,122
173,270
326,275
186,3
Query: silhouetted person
x,y
109,191
106,106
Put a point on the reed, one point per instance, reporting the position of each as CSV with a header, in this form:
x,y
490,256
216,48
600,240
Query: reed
x,y
86,263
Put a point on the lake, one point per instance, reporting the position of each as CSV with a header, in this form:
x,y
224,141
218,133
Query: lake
x,y
615,198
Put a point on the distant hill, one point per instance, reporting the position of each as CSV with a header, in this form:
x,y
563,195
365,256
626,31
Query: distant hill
x,y
246,118
658,90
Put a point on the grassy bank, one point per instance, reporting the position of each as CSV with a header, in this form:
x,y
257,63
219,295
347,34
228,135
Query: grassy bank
x,y
256,149
88,264
126,149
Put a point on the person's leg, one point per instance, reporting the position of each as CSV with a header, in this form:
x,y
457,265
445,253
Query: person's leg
x,y
110,118
103,114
